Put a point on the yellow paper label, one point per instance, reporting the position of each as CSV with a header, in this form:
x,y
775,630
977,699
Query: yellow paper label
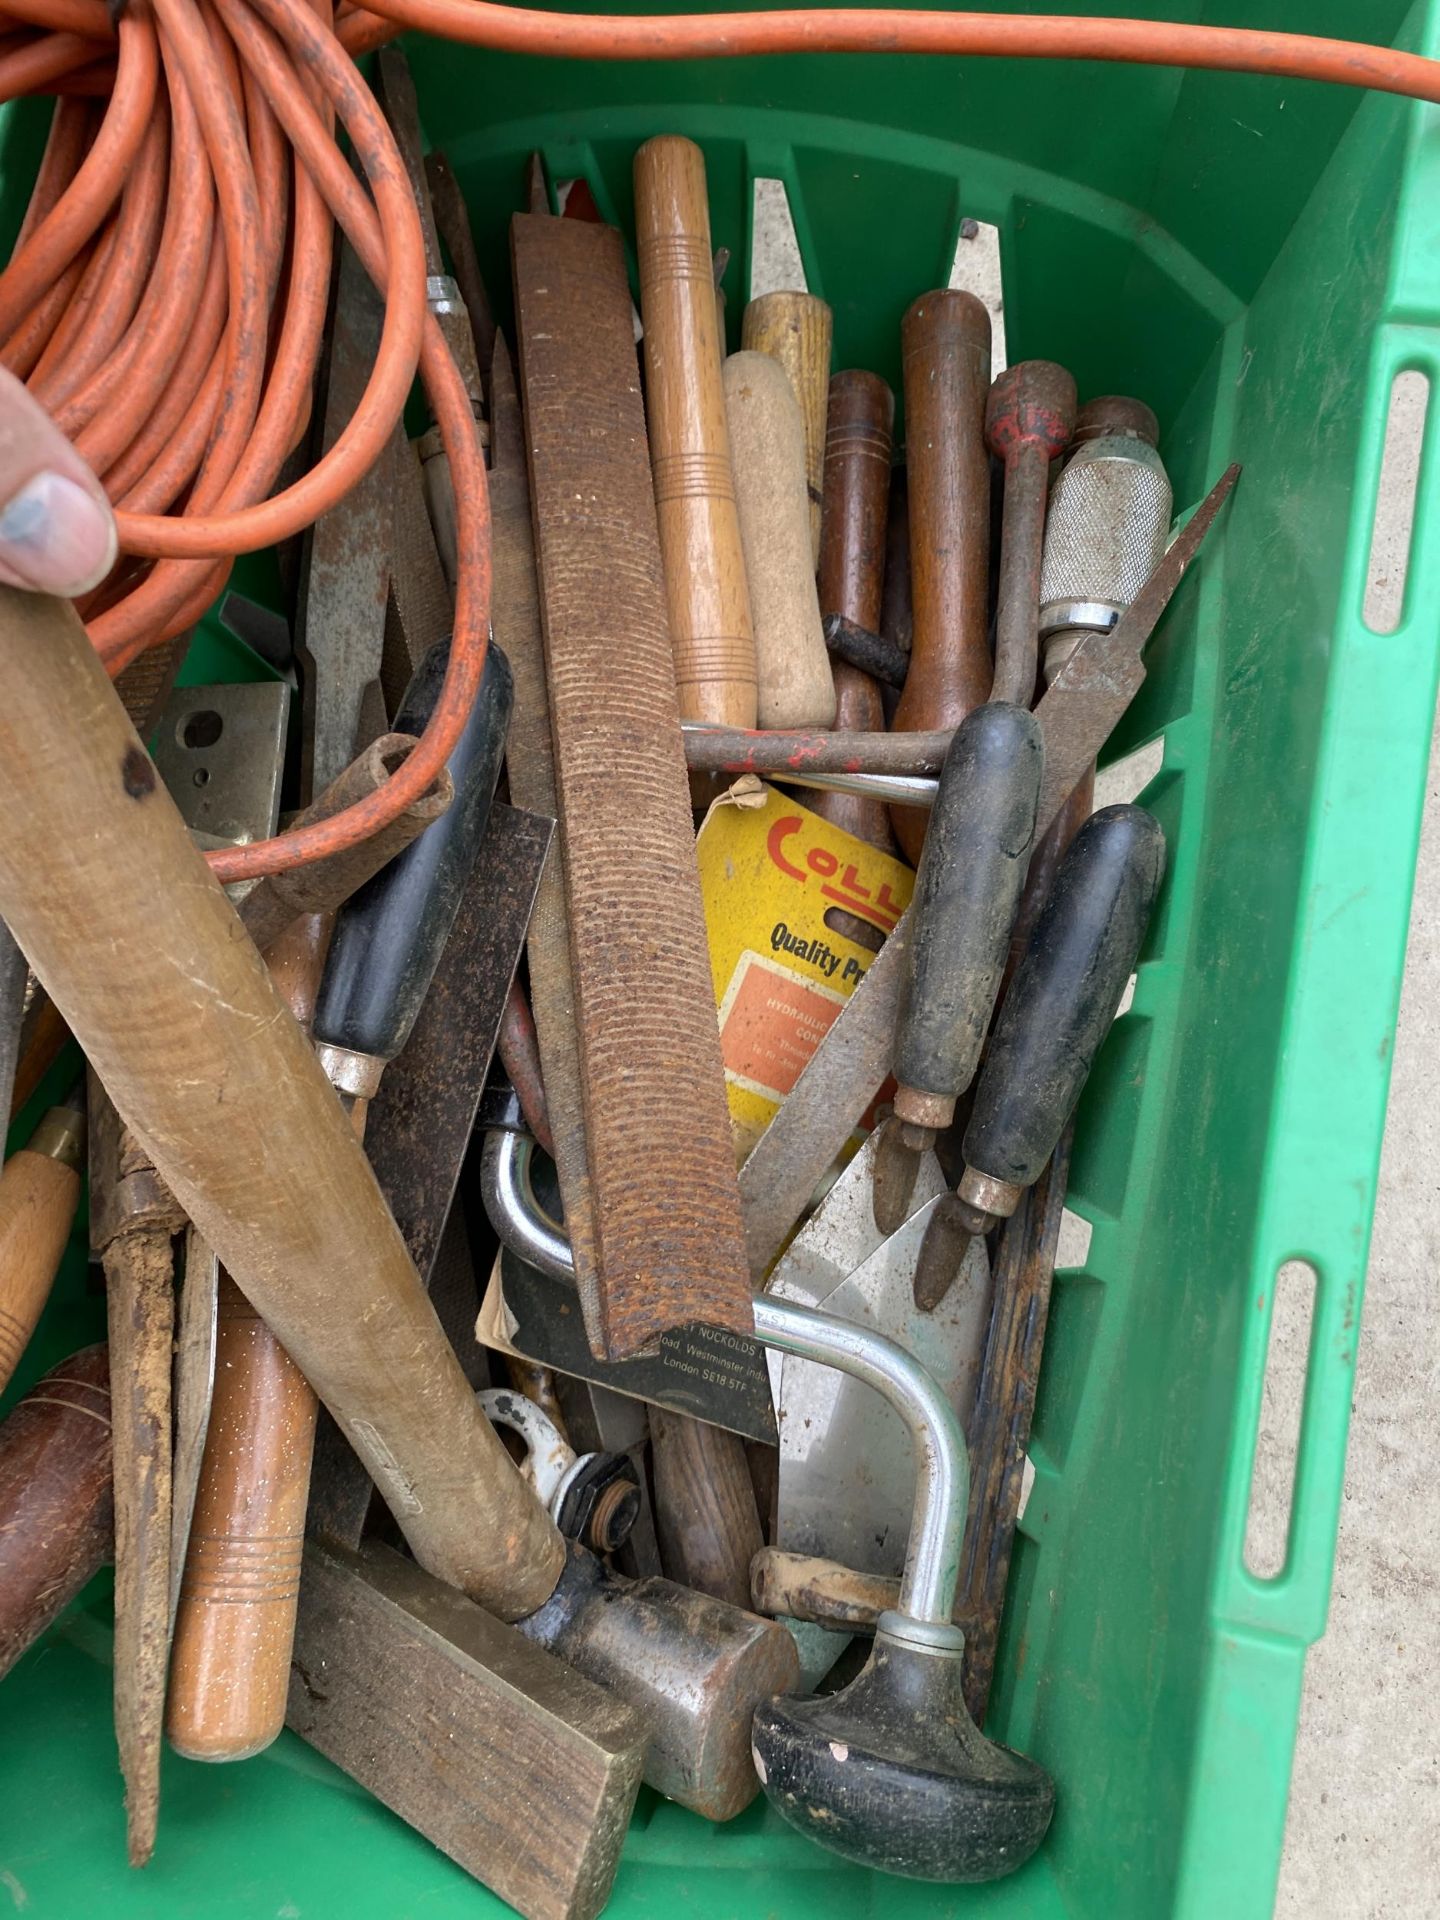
x,y
783,890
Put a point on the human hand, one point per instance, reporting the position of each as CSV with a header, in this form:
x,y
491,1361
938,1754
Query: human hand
x,y
57,533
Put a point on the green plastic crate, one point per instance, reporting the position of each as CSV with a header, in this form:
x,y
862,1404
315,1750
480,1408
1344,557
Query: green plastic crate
x,y
1258,260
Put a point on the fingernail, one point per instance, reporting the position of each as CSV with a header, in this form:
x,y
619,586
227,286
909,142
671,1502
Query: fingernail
x,y
56,536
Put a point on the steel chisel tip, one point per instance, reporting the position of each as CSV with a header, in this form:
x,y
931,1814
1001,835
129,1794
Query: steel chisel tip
x,y
942,1252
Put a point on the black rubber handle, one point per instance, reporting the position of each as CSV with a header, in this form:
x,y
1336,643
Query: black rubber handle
x,y
972,870
1065,993
389,936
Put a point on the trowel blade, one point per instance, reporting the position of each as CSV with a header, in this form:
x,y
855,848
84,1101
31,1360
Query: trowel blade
x,y
847,1475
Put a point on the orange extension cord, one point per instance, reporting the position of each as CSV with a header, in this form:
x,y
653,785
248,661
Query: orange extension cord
x,y
166,298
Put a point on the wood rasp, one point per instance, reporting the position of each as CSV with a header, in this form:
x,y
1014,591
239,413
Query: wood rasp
x,y
666,1204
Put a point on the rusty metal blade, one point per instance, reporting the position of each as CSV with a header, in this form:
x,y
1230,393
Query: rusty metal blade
x,y
347,556
420,1122
1097,683
823,1108
657,1125
195,1341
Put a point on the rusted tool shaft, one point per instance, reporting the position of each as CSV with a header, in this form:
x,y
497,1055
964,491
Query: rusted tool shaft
x,y
1028,419
858,438
774,755
945,343
321,887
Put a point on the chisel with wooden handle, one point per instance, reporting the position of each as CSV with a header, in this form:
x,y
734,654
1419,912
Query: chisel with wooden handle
x,y
767,445
795,329
39,1192
56,1526
139,948
710,623
945,343
858,438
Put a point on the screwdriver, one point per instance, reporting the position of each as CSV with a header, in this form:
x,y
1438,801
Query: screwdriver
x,y
1065,995
389,937
971,872
1028,419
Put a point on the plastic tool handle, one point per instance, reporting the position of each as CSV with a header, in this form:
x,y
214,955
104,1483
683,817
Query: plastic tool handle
x,y
796,329
1065,993
859,432
945,344
235,1623
39,1191
966,893
767,446
390,935
710,625
56,1526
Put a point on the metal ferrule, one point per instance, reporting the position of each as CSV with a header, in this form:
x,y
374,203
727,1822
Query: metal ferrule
x,y
920,1636
357,1074
987,1194
942,1467
60,1136
442,294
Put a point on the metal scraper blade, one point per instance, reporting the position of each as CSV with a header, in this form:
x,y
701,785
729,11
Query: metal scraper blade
x,y
847,1474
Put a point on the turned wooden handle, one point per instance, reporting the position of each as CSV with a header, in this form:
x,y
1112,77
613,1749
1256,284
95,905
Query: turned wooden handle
x,y
859,439
710,625
56,1527
141,951
945,346
795,329
235,1624
39,1190
235,1627
767,449
705,1516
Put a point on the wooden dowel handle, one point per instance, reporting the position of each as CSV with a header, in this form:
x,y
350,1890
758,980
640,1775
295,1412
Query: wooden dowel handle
x,y
945,345
39,1191
705,1513
859,436
767,447
796,329
710,624
142,953
235,1624
56,1527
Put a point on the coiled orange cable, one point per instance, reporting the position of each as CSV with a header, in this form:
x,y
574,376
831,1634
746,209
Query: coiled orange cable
x,y
166,298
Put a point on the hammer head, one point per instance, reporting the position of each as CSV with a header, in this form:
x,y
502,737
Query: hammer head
x,y
696,1669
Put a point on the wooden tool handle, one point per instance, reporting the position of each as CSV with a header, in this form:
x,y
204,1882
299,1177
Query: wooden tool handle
x,y
767,449
235,1624
141,951
39,1190
705,1515
710,625
859,434
945,342
795,329
235,1627
55,1510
